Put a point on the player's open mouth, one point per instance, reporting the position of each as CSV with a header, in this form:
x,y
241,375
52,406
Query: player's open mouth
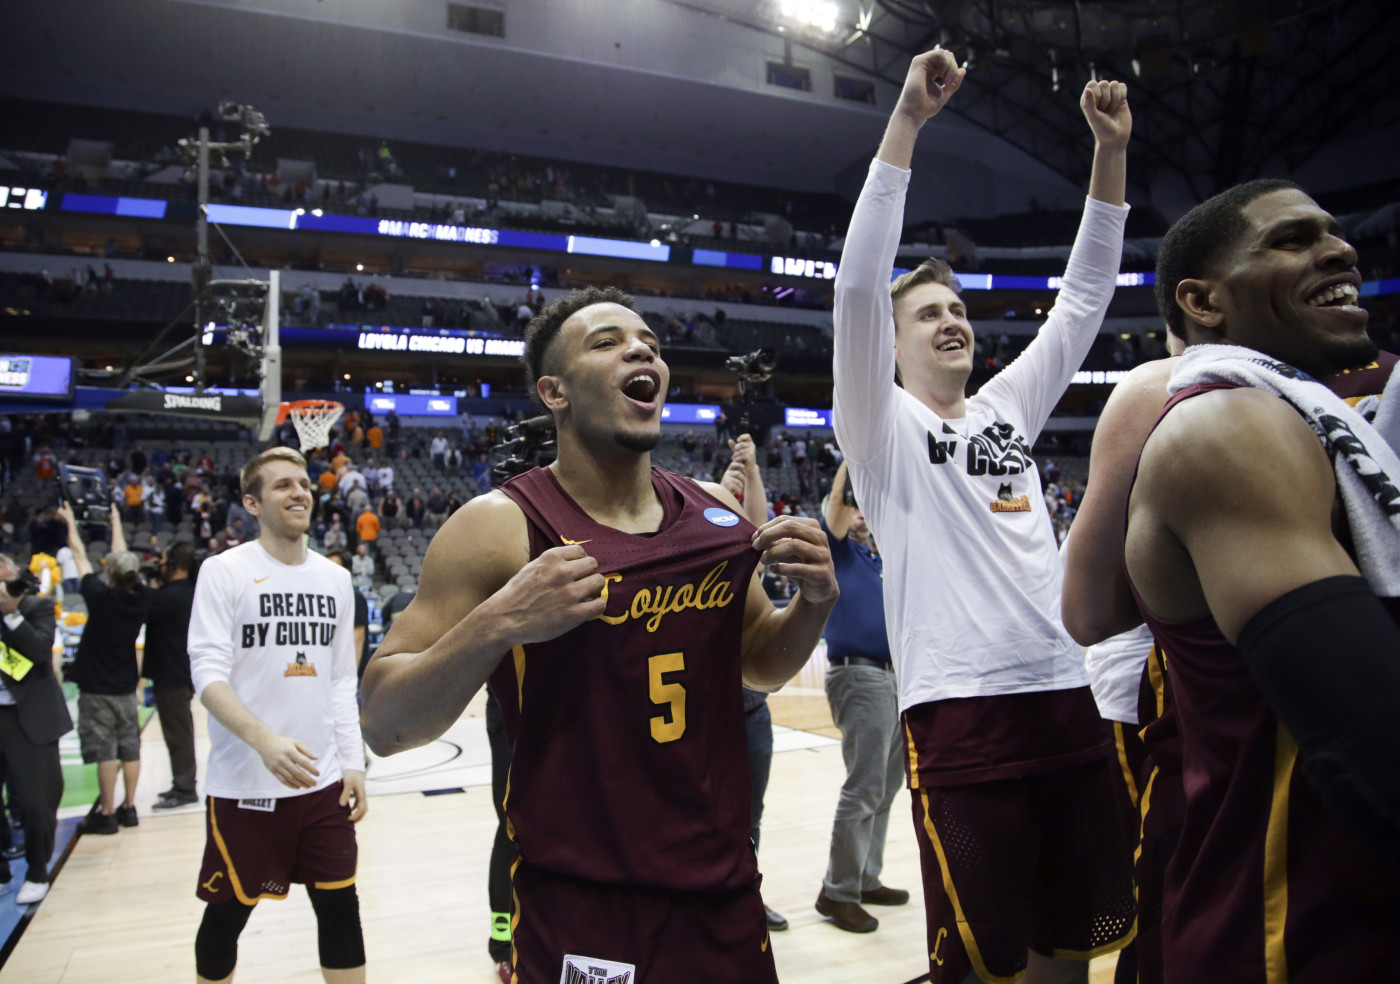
x,y
952,345
642,387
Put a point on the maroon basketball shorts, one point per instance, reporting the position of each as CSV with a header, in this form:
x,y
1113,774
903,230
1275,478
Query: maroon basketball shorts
x,y
1162,806
565,930
1037,863
255,849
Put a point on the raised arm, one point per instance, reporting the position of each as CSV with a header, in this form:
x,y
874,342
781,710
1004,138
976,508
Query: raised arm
x,y
837,514
118,534
1239,483
479,595
743,476
1097,602
863,365
1036,380
75,541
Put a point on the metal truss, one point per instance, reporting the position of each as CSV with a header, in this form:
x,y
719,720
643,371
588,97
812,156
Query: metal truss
x,y
1220,92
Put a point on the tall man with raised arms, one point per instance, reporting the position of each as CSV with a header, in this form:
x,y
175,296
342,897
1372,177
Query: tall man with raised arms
x,y
613,607
1025,862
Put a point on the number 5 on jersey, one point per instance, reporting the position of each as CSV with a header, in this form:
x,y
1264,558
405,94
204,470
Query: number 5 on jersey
x,y
670,724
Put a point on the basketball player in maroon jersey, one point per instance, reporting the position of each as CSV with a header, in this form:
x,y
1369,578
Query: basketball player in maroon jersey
x,y
1281,657
623,600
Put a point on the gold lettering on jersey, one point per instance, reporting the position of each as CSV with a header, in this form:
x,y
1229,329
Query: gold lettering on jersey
x,y
658,602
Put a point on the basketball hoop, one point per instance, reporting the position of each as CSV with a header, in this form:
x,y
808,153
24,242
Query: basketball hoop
x,y
313,420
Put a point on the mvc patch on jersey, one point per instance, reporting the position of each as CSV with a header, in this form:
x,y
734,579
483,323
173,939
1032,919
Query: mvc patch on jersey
x,y
590,970
721,517
1006,502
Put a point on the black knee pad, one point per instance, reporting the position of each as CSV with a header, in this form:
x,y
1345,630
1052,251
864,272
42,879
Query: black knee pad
x,y
216,943
338,931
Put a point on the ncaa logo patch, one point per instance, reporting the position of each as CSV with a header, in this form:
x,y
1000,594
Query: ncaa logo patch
x,y
591,970
721,517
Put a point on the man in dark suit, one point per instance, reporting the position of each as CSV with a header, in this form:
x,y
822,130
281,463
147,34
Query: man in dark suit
x,y
33,716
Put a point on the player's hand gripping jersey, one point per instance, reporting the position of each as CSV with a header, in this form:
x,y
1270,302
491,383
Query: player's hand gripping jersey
x,y
630,764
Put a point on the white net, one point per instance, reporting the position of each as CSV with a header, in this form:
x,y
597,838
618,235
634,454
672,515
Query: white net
x,y
314,422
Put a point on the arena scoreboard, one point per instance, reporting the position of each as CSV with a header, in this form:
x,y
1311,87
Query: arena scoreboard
x,y
36,377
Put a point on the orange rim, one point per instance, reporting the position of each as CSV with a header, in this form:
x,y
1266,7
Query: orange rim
x,y
286,408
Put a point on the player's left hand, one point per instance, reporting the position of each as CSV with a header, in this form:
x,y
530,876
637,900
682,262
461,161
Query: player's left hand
x,y
796,548
1105,106
352,794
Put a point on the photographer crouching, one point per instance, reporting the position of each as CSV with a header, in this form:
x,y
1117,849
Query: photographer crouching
x,y
33,716
107,673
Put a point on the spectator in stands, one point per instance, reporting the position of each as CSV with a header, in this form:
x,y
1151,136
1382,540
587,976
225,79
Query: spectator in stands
x,y
327,479
481,474
107,673
351,478
391,421
46,469
33,717
229,538
415,509
204,465
454,502
386,476
335,538
167,665
438,451
133,494
362,567
375,436
155,506
47,533
437,507
367,527
390,510
68,568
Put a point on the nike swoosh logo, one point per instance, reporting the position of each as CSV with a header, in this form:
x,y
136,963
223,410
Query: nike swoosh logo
x,y
567,541
260,580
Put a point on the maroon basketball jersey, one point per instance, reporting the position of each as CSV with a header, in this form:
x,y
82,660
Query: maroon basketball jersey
x,y
630,761
1266,886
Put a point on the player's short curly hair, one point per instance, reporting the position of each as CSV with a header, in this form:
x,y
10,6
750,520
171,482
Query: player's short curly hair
x,y
931,271
544,327
1197,240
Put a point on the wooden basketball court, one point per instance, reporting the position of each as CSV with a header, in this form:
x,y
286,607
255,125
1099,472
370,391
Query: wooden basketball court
x,y
123,909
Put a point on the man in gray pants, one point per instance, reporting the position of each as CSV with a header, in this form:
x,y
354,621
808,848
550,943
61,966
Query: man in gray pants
x,y
865,706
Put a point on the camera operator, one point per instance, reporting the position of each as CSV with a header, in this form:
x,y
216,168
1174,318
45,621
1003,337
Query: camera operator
x,y
33,716
167,666
107,673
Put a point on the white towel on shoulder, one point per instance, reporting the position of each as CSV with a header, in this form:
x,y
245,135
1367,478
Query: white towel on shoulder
x,y
1367,465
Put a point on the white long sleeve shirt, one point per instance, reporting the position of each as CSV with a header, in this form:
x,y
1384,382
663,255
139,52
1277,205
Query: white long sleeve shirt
x,y
283,637
972,573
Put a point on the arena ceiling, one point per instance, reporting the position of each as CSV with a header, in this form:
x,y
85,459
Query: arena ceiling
x,y
1221,91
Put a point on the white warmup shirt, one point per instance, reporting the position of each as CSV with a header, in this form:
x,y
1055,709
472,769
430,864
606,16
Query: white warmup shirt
x,y
972,574
284,638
